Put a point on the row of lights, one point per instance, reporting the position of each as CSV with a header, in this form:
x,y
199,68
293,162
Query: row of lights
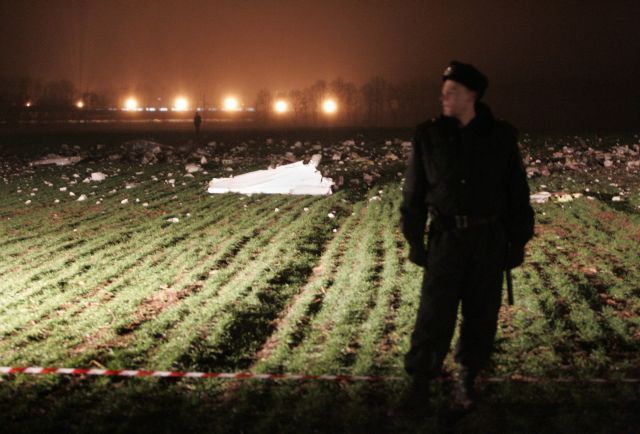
x,y
231,104
329,106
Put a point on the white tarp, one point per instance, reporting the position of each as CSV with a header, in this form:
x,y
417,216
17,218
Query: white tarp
x,y
294,178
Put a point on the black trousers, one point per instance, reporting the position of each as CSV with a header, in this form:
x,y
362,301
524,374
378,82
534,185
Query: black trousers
x,y
464,266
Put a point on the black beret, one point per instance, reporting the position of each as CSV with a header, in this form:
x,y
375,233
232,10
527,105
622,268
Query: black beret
x,y
467,75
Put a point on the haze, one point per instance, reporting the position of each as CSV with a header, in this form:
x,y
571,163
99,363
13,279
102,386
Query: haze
x,y
550,64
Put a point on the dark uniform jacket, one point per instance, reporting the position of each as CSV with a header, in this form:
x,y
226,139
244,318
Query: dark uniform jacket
x,y
473,171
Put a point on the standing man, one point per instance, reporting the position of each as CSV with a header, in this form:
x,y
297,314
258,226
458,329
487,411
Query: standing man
x,y
197,121
466,175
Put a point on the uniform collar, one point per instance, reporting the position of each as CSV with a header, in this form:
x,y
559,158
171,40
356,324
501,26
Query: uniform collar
x,y
481,123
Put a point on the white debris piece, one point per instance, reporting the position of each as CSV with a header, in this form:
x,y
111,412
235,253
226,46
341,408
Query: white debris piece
x,y
98,176
82,198
173,220
294,178
540,197
58,160
192,167
564,197
124,201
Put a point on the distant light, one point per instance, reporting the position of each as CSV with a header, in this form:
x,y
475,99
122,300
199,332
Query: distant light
x,y
329,106
27,104
131,104
164,109
281,106
151,109
231,104
80,104
180,104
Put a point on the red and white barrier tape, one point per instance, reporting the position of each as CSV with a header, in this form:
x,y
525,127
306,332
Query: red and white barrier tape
x,y
248,375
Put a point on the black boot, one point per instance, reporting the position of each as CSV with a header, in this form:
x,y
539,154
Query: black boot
x,y
465,395
416,399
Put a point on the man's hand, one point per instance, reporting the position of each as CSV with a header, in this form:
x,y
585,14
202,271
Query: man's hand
x,y
515,255
418,255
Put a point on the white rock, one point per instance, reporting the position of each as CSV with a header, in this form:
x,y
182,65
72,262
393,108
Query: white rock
x,y
331,215
124,201
98,176
173,220
82,198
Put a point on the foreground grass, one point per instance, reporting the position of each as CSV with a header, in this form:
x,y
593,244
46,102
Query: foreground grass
x,y
290,284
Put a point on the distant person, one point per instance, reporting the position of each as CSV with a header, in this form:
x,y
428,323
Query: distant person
x,y
466,174
197,121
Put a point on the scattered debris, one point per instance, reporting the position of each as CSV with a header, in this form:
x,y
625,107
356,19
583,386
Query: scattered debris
x,y
540,197
58,160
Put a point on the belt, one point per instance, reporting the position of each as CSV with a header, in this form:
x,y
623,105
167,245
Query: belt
x,y
462,221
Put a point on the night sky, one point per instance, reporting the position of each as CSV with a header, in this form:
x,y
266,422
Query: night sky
x,y
549,63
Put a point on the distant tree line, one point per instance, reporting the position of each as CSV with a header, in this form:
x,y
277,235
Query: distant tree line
x,y
375,102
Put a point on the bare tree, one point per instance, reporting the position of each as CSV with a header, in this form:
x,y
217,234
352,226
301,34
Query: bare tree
x,y
264,101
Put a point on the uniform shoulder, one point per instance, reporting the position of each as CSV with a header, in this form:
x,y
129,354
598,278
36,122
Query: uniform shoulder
x,y
427,124
506,128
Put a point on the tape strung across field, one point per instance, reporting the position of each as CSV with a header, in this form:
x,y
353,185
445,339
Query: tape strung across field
x,y
247,375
